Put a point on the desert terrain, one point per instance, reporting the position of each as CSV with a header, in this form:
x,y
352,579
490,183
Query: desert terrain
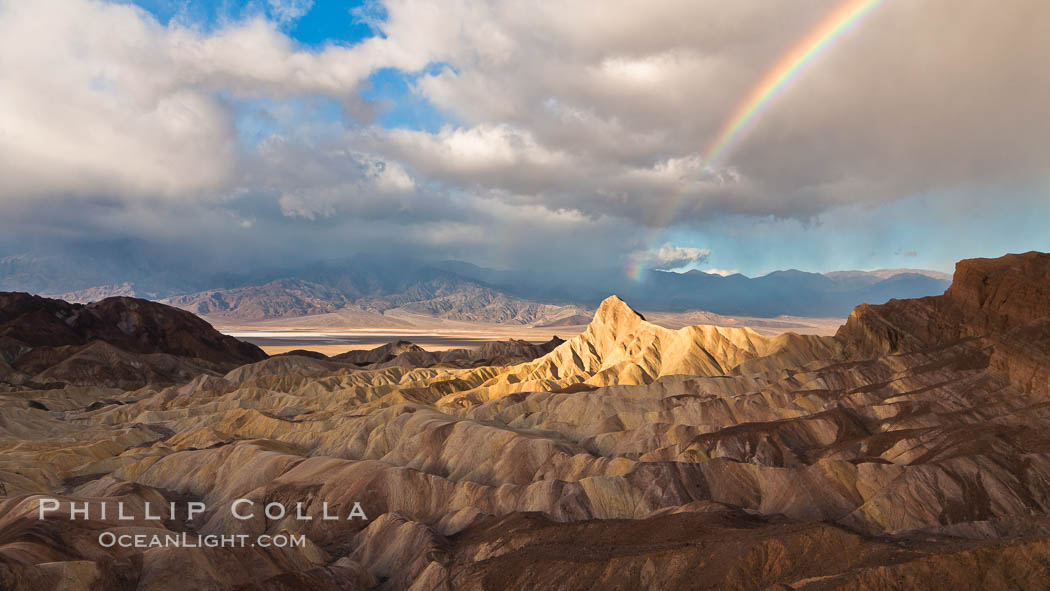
x,y
334,333
907,450
412,295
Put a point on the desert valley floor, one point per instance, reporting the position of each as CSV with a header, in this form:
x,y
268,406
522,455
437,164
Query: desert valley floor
x,y
331,334
909,450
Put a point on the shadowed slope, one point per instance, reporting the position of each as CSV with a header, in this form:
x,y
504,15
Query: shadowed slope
x,y
118,341
999,304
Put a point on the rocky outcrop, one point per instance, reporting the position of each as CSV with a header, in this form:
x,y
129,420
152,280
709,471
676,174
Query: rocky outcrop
x,y
1001,306
381,354
118,341
1004,294
494,353
409,355
621,347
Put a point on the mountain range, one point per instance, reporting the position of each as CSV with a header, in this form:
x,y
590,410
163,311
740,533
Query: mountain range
x,y
376,290
441,293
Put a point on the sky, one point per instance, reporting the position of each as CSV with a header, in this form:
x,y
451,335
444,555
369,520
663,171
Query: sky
x,y
567,135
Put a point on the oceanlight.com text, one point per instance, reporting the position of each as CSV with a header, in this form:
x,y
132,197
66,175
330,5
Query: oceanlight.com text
x,y
188,540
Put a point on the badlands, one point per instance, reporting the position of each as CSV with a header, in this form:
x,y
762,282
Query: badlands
x,y
911,450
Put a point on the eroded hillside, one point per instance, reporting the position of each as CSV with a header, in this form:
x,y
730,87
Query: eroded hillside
x,y
911,450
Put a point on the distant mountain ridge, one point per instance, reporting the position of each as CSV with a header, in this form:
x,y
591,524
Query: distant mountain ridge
x,y
788,292
276,299
377,289
448,297
887,273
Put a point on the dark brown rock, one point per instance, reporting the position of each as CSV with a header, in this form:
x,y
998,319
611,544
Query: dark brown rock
x,y
119,341
1000,305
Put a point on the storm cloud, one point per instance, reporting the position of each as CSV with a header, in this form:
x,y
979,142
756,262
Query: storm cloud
x,y
578,127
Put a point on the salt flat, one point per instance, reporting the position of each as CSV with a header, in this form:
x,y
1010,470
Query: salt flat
x,y
311,332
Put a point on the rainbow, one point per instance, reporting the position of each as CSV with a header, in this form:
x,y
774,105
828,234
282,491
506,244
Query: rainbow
x,y
830,28
820,38
636,270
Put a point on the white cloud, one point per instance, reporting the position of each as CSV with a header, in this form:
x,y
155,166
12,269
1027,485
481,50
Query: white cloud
x,y
287,11
100,99
390,177
471,153
669,256
310,207
328,180
722,272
